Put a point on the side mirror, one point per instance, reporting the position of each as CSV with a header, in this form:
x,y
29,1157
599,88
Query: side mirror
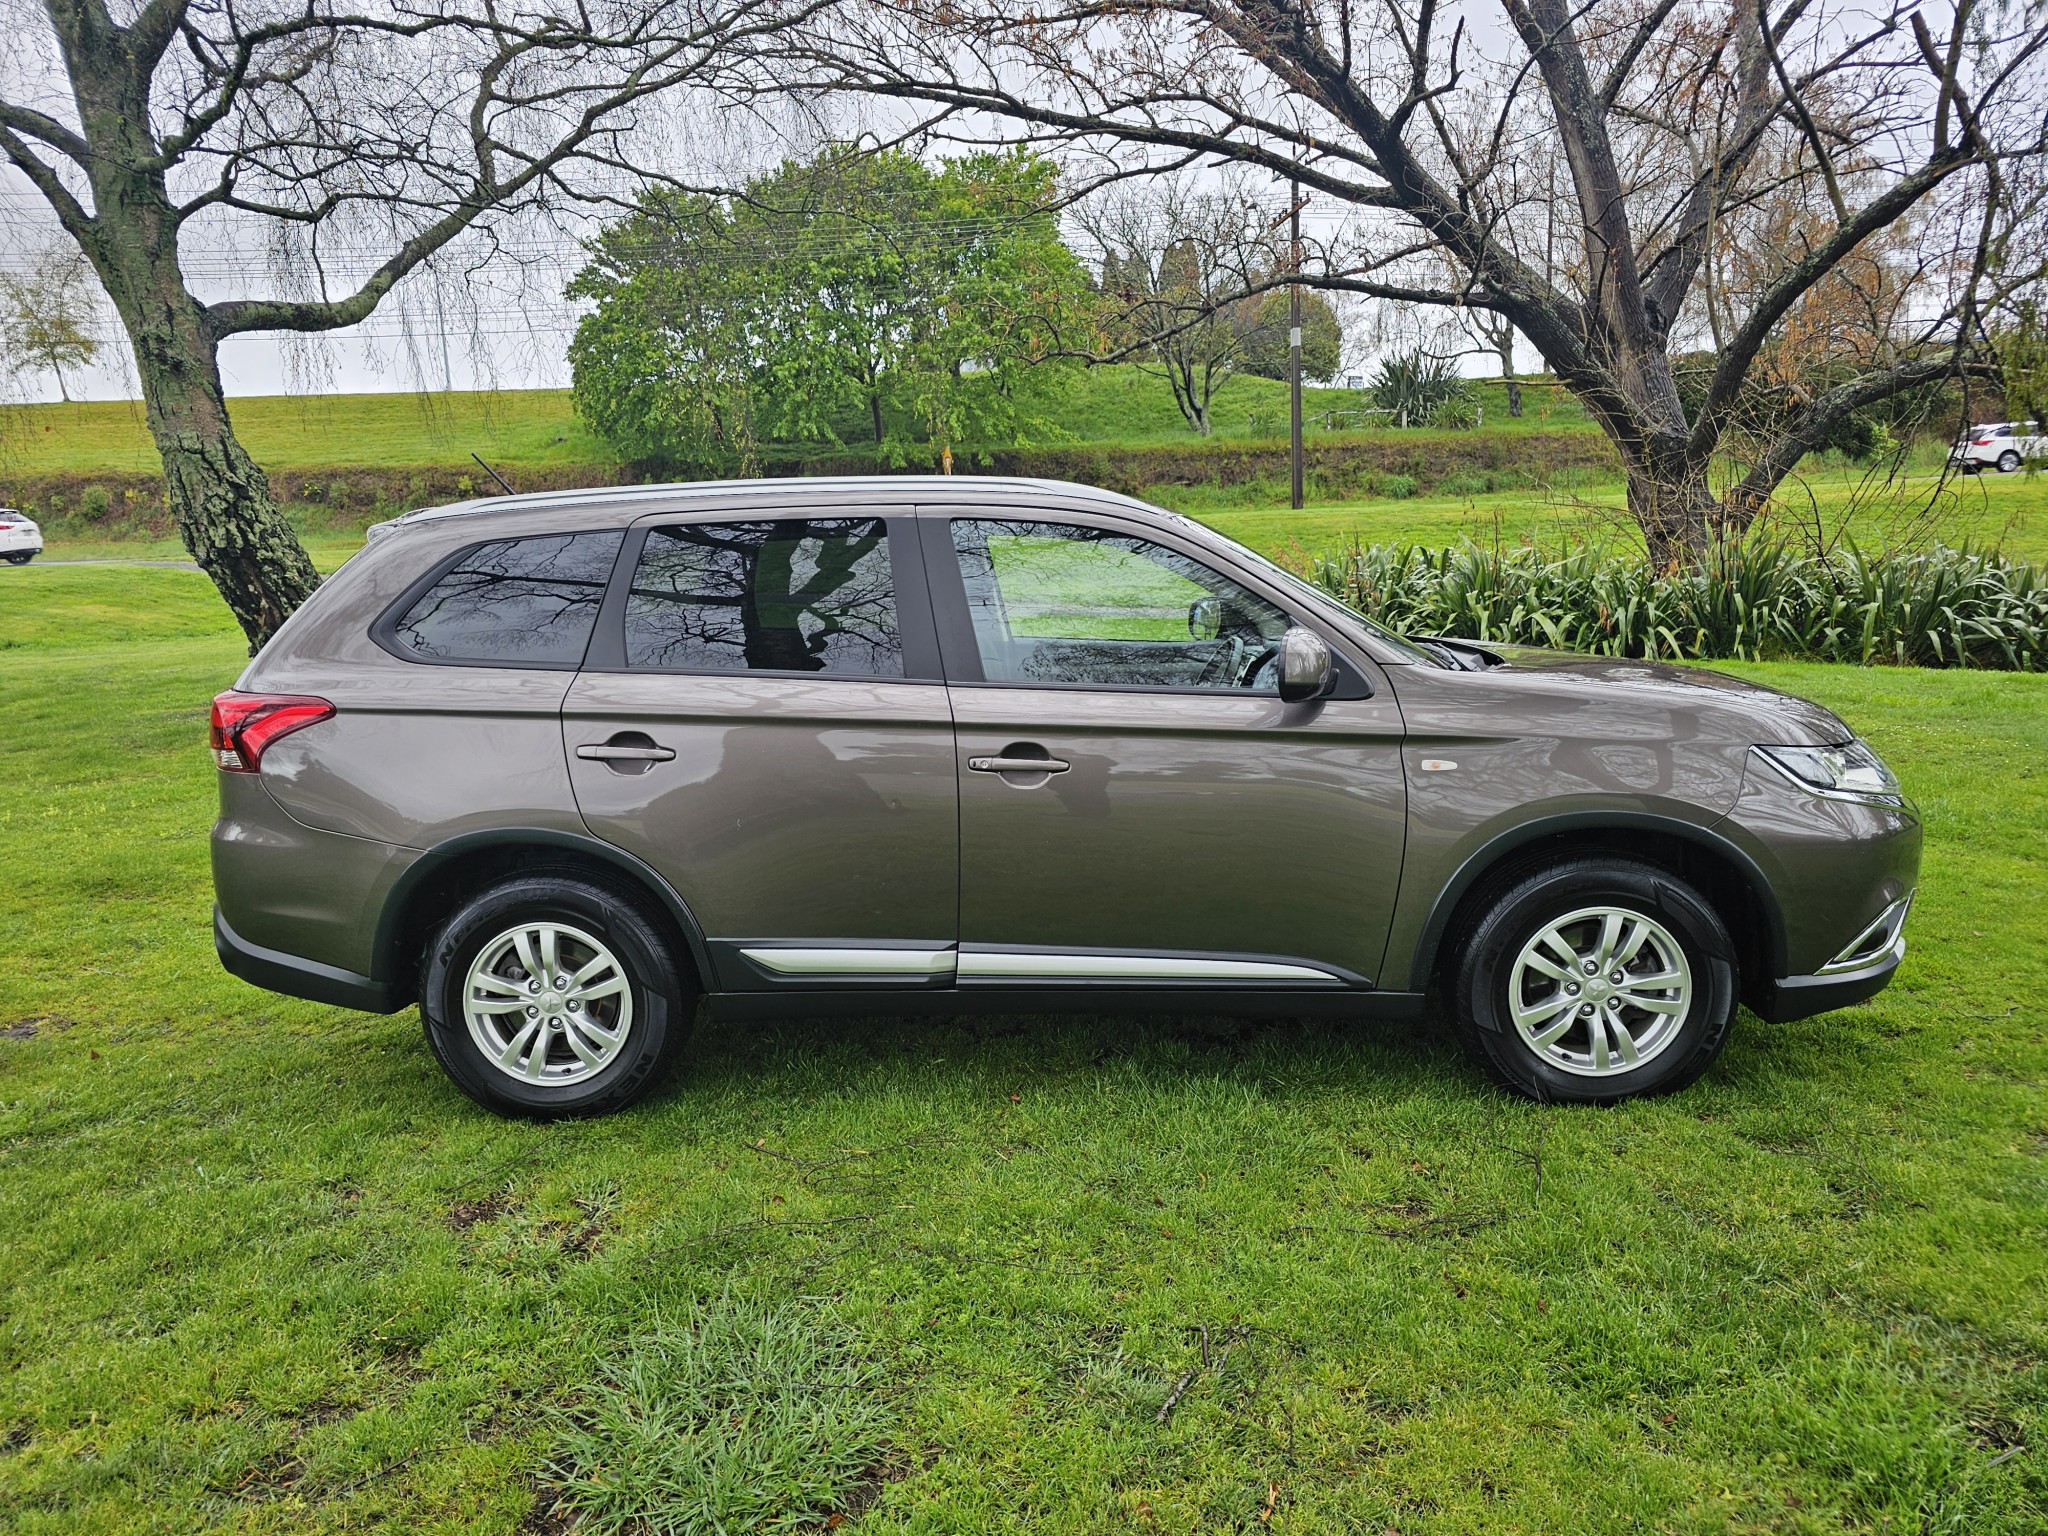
x,y
1306,666
1205,618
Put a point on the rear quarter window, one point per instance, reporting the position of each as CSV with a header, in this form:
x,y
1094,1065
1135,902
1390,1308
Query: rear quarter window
x,y
528,602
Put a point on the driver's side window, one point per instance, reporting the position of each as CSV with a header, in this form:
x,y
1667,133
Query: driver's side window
x,y
1054,603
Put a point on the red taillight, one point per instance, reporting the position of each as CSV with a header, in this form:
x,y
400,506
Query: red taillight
x,y
245,723
1980,442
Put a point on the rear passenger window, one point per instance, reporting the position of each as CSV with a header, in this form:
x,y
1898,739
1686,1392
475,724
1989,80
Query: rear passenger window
x,y
513,603
794,595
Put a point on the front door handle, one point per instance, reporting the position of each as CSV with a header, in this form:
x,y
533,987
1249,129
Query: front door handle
x,y
1018,765
605,752
628,752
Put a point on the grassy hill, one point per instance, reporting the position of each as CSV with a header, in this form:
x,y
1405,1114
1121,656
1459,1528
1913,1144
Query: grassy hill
x,y
536,428
291,432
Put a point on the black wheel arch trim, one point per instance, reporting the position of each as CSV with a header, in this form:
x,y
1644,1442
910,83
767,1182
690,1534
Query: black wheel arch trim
x,y
390,964
1489,855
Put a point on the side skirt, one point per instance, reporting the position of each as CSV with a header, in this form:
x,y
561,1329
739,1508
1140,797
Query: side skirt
x,y
1201,1002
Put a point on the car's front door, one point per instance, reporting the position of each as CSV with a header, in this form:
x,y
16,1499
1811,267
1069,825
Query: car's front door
x,y
761,719
1190,827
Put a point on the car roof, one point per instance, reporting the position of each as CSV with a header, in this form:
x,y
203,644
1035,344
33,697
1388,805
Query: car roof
x,y
680,496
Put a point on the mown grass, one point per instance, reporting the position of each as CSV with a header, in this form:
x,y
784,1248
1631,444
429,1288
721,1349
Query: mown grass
x,y
2008,512
264,1270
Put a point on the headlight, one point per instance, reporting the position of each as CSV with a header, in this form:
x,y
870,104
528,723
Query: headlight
x,y
1851,772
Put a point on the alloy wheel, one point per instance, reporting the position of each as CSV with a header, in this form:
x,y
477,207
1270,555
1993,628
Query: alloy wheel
x,y
547,1003
1600,991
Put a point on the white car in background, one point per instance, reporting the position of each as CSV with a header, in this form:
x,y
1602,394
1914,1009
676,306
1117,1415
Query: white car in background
x,y
2000,445
20,539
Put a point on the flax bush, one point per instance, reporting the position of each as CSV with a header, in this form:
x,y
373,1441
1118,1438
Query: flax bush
x,y
1753,599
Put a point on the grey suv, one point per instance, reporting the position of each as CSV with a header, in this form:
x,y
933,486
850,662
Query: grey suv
x,y
558,766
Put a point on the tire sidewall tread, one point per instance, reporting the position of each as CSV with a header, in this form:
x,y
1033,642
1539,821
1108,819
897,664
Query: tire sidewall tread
x,y
1546,893
662,1001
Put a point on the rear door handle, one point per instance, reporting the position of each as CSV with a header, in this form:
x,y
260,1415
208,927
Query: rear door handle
x,y
1018,765
605,752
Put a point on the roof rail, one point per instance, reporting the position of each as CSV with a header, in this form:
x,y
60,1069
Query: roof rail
x,y
871,486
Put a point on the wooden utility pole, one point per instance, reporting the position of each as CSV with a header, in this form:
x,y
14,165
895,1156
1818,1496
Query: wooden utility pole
x,y
1294,343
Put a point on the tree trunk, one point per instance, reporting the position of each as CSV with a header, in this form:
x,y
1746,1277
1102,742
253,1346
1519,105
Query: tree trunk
x,y
875,414
219,498
1507,372
1677,513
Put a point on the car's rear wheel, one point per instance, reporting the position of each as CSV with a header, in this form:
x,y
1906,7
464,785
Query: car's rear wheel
x,y
21,556
1596,980
549,996
2009,462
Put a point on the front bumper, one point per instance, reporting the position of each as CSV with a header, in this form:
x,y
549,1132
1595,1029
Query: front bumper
x,y
1841,874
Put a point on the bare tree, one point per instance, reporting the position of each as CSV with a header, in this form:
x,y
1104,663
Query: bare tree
x,y
357,145
1176,262
1495,334
1672,118
46,316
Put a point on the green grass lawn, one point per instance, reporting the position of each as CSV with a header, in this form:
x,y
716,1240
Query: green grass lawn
x,y
265,1271
2008,511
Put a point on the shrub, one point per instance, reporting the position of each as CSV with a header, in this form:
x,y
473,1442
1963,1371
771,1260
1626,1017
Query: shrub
x,y
1457,414
1749,599
1415,386
1466,484
1395,487
94,501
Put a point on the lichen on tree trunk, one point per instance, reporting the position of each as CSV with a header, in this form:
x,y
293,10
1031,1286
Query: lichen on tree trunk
x,y
219,498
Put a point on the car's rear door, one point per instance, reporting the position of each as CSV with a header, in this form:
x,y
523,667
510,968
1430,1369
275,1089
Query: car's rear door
x,y
761,718
1191,829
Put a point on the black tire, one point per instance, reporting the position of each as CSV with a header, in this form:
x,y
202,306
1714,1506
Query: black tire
x,y
661,999
21,556
1538,900
2009,462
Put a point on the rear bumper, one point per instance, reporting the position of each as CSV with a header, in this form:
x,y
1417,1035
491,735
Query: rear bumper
x,y
296,976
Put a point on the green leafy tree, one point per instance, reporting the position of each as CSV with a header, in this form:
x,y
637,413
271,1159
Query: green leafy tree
x,y
852,296
46,317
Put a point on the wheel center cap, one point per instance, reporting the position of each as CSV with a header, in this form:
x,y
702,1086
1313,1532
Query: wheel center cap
x,y
1597,990
551,1002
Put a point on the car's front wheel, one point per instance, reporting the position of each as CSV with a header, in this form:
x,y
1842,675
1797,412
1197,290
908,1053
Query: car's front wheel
x,y
549,996
1595,980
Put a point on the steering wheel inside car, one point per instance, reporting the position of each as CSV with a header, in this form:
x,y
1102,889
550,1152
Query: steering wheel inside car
x,y
1264,671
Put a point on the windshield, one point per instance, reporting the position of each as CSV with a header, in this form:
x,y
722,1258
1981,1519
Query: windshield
x,y
1408,649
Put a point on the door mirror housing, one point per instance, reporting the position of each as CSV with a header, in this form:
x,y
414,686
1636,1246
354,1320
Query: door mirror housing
x,y
1205,618
1307,668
